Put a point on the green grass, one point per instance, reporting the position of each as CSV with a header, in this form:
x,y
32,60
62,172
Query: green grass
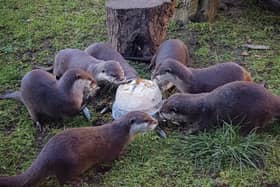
x,y
222,148
32,31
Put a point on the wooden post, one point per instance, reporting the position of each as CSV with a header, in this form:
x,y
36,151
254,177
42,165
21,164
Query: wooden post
x,y
136,28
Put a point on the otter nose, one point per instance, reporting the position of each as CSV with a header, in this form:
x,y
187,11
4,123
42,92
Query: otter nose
x,y
92,79
154,122
121,78
93,83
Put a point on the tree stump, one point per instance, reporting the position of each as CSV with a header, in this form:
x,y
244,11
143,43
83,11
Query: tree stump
x,y
136,28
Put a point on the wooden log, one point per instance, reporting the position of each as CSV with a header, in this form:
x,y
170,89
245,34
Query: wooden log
x,y
136,28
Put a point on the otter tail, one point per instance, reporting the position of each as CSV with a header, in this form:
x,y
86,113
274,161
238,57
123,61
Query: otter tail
x,y
48,69
26,179
246,75
13,95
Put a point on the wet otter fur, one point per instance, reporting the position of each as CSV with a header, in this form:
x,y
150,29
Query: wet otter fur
x,y
191,80
105,51
242,103
44,96
171,49
70,153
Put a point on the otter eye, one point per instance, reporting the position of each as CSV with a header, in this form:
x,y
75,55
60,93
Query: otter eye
x,y
168,70
131,121
103,71
78,76
174,110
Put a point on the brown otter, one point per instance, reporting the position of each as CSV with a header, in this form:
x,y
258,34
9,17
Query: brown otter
x,y
247,104
65,59
44,96
101,70
192,80
71,152
174,49
105,51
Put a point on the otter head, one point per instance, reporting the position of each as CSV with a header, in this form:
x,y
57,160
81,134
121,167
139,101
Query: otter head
x,y
171,70
83,83
138,122
109,71
184,108
173,110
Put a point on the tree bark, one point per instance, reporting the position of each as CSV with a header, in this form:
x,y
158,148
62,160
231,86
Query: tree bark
x,y
136,28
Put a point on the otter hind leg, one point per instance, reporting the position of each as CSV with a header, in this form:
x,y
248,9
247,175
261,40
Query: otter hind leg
x,y
67,169
258,122
39,126
68,177
75,181
198,126
194,129
35,118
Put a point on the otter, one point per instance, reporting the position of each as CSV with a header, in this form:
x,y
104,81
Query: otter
x,y
70,153
172,48
193,80
105,51
44,96
108,71
242,103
